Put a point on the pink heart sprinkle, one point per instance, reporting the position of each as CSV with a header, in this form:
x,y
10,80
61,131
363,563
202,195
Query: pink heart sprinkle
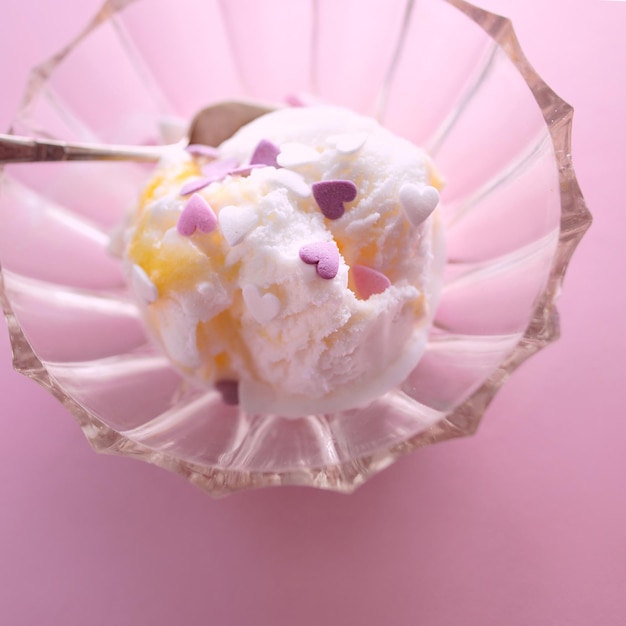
x,y
245,170
368,281
199,149
229,389
331,194
294,100
197,215
194,185
265,154
217,170
324,255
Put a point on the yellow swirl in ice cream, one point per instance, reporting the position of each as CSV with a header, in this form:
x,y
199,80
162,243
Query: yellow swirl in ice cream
x,y
297,267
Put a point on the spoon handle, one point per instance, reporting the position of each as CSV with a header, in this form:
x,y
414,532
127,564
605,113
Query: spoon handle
x,y
14,149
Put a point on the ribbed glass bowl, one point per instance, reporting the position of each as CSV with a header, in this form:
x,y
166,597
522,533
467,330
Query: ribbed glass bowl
x,y
446,75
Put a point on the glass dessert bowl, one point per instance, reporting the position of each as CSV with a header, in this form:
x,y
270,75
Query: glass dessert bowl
x,y
444,74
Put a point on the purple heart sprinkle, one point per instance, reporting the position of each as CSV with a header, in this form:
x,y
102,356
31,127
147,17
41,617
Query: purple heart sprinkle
x,y
194,185
197,215
330,196
265,154
199,149
229,390
218,170
295,100
245,170
324,255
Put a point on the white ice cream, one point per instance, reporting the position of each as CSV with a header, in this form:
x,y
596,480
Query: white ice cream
x,y
237,304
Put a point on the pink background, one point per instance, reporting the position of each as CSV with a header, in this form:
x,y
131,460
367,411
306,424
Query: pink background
x,y
525,523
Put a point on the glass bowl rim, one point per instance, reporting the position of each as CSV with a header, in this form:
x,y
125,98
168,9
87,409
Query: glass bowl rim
x,y
346,476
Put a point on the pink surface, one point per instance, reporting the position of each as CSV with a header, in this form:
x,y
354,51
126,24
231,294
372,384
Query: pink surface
x,y
522,524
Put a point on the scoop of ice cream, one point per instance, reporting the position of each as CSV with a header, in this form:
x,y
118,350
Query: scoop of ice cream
x,y
296,269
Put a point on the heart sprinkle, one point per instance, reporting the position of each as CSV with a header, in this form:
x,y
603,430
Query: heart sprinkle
x,y
172,129
324,255
229,389
245,170
293,154
196,215
368,281
263,308
217,170
236,222
418,202
265,154
349,143
292,181
194,185
295,100
212,172
199,149
331,194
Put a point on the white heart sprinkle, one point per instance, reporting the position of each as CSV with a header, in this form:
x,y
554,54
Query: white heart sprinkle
x,y
263,308
418,202
171,237
172,129
293,154
236,222
292,181
142,285
349,142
